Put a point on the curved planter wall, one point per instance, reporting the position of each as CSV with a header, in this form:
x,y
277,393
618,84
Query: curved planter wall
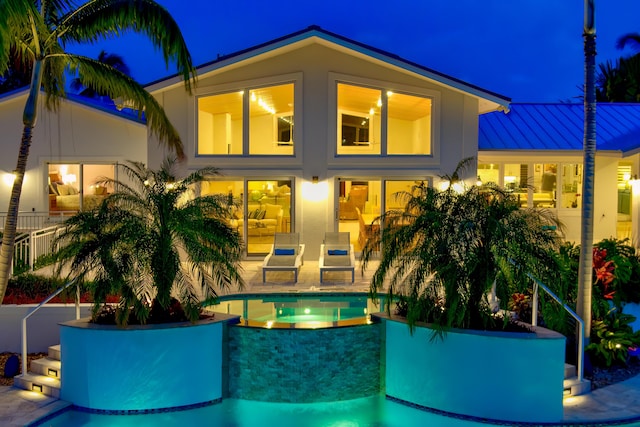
x,y
304,365
141,368
500,376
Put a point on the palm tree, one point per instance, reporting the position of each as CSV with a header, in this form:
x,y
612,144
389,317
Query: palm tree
x,y
585,268
39,31
114,60
446,250
152,239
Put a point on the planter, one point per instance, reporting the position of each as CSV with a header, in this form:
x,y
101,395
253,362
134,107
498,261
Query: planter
x,y
143,368
494,375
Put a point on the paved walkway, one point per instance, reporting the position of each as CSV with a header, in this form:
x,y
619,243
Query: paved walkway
x,y
612,403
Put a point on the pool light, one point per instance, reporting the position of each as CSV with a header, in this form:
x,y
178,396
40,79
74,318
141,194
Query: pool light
x,y
307,310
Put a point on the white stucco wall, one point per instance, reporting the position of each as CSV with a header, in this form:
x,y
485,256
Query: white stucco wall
x,y
76,133
315,69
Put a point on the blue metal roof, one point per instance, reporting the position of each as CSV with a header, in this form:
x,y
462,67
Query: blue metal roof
x,y
560,127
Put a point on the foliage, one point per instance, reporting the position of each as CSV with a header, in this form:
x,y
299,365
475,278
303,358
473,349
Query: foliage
x,y
33,38
445,250
612,337
152,239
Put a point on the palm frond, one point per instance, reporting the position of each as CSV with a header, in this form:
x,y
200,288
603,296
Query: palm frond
x,y
106,18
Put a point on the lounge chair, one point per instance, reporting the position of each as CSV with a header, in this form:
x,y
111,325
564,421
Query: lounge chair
x,y
336,254
286,255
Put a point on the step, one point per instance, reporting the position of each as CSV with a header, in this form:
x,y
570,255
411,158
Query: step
x,y
47,366
574,387
48,386
54,352
569,370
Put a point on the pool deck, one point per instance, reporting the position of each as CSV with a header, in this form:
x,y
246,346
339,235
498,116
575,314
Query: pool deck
x,y
613,403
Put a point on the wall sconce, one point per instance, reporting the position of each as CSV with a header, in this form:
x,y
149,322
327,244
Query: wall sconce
x,y
9,178
314,179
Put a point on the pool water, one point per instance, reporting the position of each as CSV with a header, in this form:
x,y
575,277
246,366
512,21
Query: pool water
x,y
304,310
367,412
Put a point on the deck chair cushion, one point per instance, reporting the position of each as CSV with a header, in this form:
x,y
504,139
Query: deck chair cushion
x,y
338,252
284,252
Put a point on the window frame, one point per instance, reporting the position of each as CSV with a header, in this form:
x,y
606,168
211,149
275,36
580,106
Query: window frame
x,y
383,87
246,86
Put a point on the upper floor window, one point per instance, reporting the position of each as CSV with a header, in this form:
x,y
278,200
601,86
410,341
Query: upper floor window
x,y
363,113
225,128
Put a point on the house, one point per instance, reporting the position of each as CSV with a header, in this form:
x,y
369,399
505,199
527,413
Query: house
x,y
537,151
315,132
71,147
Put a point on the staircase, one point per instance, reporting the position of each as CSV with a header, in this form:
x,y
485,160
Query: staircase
x,y
572,385
44,376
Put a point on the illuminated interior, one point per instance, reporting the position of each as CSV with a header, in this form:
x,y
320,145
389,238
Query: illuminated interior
x,y
73,187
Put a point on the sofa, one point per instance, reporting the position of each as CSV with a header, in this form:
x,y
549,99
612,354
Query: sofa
x,y
263,219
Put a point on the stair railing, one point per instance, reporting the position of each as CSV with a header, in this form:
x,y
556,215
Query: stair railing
x,y
534,319
32,312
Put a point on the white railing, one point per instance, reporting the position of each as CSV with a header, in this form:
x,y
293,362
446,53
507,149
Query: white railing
x,y
32,312
29,221
41,243
21,250
534,320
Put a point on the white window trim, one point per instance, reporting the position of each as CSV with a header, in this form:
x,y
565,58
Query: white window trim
x,y
247,85
383,86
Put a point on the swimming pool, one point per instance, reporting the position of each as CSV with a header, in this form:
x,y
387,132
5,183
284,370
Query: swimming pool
x,y
308,310
372,411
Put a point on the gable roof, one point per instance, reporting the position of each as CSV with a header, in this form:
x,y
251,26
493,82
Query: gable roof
x,y
560,127
95,104
488,101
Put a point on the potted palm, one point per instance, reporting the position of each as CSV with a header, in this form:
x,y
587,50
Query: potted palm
x,y
444,256
165,252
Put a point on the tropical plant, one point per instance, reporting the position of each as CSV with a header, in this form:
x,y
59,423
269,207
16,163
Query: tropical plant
x,y
152,239
612,337
114,60
446,250
37,32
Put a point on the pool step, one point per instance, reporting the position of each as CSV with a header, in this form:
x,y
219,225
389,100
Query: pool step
x,y
44,375
572,386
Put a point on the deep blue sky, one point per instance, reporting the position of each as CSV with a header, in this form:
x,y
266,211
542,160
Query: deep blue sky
x,y
529,50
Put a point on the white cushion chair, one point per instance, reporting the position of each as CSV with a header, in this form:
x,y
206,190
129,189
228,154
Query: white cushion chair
x,y
336,254
287,254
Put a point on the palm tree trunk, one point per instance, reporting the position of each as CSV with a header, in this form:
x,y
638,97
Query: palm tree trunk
x,y
11,223
586,254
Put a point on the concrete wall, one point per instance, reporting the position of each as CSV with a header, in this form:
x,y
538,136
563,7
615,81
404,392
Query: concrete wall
x,y
499,376
142,368
42,327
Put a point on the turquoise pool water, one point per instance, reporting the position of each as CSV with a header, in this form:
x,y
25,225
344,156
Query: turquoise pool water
x,y
303,310
370,412
367,412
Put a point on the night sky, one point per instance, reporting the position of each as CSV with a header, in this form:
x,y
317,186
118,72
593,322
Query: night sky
x,y
529,50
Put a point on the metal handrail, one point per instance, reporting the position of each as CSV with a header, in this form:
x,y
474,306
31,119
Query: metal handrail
x,y
32,312
534,319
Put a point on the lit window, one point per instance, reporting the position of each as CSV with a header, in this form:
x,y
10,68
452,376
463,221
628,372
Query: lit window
x,y
271,120
358,120
220,124
408,124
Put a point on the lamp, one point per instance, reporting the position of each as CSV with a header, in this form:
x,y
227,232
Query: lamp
x,y
314,179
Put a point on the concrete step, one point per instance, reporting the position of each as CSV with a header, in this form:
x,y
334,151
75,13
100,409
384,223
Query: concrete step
x,y
47,366
569,370
54,352
574,387
46,385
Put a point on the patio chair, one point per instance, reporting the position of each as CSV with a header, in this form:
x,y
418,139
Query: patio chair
x,y
336,254
286,255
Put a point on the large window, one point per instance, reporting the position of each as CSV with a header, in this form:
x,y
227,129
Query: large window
x,y
538,185
223,127
362,113
75,187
